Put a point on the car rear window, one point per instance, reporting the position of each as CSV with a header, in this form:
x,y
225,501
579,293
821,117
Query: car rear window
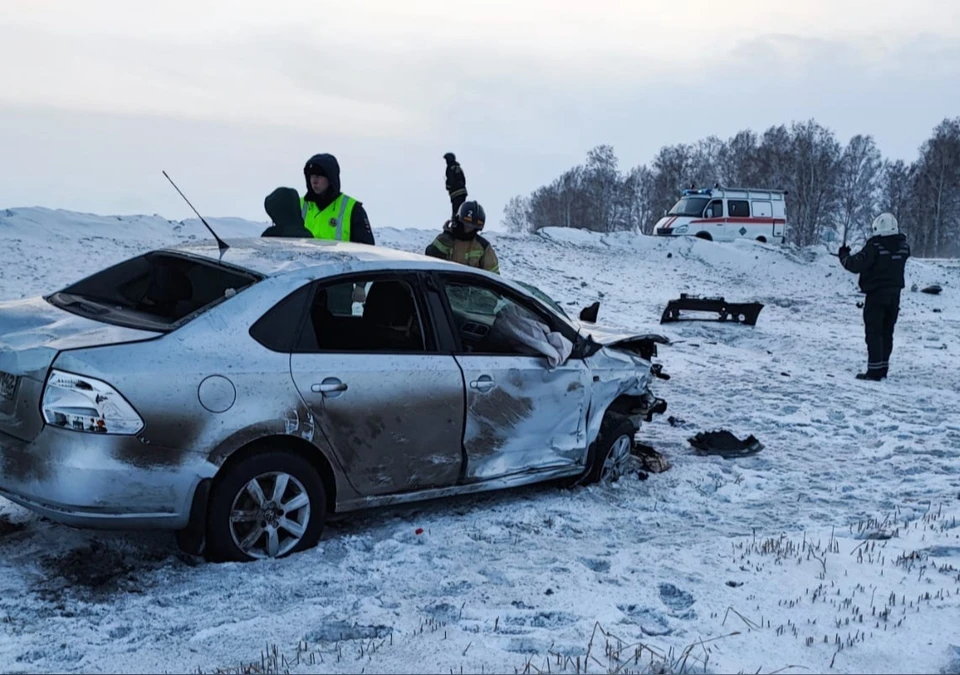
x,y
160,290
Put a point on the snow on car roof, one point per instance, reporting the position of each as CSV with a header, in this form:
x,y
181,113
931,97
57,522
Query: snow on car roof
x,y
273,255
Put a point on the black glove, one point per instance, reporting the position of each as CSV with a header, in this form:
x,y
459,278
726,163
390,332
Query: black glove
x,y
844,252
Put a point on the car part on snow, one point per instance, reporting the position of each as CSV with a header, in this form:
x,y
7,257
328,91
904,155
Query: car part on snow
x,y
657,370
725,444
933,289
651,460
589,314
745,313
657,407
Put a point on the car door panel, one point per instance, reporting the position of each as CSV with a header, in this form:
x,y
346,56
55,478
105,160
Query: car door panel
x,y
521,416
395,421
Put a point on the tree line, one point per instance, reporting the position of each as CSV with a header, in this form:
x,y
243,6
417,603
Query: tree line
x,y
831,187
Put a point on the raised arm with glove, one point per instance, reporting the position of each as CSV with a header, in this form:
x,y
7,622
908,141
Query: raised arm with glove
x,y
460,240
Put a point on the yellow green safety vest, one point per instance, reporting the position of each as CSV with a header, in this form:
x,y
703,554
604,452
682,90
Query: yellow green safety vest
x,y
331,223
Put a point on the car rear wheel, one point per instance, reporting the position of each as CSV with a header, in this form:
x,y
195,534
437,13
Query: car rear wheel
x,y
269,505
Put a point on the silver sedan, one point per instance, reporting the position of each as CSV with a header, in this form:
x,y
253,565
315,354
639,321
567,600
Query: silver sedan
x,y
242,398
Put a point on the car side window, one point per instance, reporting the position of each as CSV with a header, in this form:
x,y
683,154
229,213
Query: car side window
x,y
366,315
488,321
279,327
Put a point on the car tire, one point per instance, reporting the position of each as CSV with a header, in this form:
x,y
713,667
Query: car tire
x,y
272,524
615,438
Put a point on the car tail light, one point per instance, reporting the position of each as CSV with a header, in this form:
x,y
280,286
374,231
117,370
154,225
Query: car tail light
x,y
85,404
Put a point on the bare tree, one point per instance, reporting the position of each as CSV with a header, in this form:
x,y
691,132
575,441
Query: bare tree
x,y
603,190
672,169
638,194
705,159
516,215
815,155
737,164
895,189
858,186
937,192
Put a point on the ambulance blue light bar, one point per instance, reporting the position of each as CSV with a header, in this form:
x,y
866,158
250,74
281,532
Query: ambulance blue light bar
x,y
702,191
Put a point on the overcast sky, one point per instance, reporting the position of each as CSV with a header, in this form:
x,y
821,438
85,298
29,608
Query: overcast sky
x,y
231,97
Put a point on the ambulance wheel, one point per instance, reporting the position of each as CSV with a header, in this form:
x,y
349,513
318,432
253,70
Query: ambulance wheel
x,y
762,240
704,235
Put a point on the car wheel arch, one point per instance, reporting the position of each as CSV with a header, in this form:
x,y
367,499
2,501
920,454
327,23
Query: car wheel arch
x,y
307,450
619,408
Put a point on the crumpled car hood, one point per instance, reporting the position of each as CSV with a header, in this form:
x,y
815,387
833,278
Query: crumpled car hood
x,y
618,339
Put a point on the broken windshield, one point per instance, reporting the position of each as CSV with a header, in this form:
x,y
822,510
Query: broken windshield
x,y
689,206
155,291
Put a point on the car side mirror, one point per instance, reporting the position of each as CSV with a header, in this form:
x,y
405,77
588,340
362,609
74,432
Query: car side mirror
x,y
589,314
708,213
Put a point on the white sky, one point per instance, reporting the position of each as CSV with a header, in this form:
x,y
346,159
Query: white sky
x,y
97,96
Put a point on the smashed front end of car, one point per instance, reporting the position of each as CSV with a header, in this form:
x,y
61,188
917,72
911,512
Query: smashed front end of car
x,y
623,375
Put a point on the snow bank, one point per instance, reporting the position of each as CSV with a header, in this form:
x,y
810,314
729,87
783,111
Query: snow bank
x,y
836,548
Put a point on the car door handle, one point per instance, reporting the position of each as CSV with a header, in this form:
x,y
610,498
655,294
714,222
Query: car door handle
x,y
483,383
329,386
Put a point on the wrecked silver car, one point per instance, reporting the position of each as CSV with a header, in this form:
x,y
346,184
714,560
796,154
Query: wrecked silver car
x,y
242,397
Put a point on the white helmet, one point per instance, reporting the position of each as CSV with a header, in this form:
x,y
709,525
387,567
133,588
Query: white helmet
x,y
885,224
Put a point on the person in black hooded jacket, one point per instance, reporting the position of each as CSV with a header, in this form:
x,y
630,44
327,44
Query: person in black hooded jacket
x,y
283,207
327,213
880,264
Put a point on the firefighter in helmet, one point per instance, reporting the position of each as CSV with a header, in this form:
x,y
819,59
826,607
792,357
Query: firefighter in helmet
x,y
460,240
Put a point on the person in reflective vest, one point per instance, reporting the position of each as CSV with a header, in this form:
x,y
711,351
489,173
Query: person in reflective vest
x,y
327,212
460,240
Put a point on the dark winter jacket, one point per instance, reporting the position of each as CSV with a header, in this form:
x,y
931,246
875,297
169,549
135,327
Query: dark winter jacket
x,y
283,207
360,231
880,263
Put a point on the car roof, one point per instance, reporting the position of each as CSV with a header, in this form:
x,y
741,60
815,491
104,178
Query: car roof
x,y
279,256
274,256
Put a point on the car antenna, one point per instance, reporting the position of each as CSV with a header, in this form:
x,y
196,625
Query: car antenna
x,y
221,244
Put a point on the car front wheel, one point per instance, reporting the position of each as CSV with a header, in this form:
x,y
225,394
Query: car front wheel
x,y
613,450
269,505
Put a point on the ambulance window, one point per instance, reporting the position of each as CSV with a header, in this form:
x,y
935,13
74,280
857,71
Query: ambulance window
x,y
739,208
762,209
716,207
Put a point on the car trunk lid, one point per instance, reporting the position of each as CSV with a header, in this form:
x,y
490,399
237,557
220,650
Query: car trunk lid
x,y
32,333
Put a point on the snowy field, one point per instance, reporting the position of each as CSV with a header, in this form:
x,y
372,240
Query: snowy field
x,y
836,549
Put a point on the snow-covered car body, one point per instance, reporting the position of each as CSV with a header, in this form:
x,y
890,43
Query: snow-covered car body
x,y
726,214
127,395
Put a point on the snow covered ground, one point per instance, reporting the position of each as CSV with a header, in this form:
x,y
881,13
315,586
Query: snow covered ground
x,y
836,549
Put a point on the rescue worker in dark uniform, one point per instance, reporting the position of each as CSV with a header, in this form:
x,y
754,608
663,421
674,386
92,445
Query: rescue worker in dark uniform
x,y
880,264
460,240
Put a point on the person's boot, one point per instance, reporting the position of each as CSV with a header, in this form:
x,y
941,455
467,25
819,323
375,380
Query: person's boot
x,y
873,375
